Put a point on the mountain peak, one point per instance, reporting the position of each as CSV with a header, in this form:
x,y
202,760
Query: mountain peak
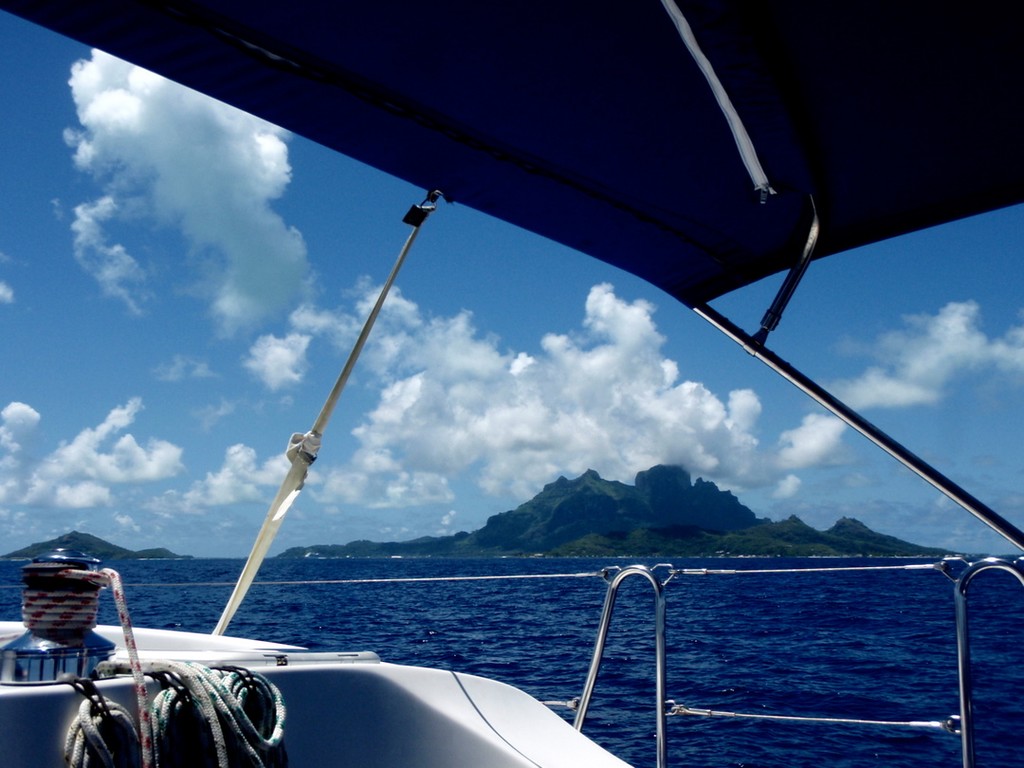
x,y
569,509
663,514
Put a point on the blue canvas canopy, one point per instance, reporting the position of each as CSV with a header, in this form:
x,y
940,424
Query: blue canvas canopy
x,y
592,124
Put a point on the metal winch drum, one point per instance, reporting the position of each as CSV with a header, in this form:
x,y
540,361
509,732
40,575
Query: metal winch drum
x,y
59,612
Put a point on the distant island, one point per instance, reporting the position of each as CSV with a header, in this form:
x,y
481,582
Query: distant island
x,y
664,514
90,545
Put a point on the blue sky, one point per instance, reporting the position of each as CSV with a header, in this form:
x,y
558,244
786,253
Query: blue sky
x,y
180,285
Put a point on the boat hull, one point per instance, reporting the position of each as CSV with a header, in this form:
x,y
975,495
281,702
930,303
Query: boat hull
x,y
343,710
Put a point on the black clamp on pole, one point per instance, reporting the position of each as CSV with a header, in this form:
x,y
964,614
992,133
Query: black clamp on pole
x,y
418,213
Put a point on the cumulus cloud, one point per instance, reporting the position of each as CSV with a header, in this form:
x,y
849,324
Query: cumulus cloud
x,y
117,272
127,522
278,362
241,478
453,403
80,472
379,482
340,328
918,362
81,495
602,397
126,461
169,154
787,487
815,442
17,422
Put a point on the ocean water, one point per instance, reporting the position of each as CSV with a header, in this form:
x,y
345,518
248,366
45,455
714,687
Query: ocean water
x,y
876,645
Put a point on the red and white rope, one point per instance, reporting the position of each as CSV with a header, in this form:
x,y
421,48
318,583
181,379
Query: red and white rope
x,y
45,610
67,619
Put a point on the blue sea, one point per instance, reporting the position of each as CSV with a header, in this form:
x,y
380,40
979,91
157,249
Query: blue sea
x,y
876,645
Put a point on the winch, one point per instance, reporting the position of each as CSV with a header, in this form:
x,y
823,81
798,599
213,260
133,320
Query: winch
x,y
59,604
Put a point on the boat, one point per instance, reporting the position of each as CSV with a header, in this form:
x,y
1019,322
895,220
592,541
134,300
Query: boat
x,y
701,146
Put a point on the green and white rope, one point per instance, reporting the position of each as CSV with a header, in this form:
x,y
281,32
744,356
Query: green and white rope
x,y
227,701
104,733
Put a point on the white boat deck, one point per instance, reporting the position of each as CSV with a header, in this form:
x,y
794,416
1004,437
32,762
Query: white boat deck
x,y
343,710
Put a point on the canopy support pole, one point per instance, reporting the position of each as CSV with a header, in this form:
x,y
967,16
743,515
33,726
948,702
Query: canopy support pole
x,y
771,318
835,406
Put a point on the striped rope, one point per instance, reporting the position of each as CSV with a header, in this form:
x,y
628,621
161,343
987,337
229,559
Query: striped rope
x,y
111,578
45,610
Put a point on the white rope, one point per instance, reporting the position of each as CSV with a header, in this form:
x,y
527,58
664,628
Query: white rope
x,y
44,609
85,744
111,578
395,580
221,697
527,576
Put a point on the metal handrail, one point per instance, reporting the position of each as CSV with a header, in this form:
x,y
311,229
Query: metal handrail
x,y
659,650
963,645
962,726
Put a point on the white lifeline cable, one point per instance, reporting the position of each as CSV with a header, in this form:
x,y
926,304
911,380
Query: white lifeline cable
x,y
739,132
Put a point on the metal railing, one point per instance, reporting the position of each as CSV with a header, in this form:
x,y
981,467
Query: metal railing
x,y
963,726
614,581
963,650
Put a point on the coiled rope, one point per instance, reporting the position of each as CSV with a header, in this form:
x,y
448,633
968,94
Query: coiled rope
x,y
226,716
231,716
102,734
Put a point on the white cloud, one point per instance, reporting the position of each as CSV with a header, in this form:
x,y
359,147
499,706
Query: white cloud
x,y
127,522
813,443
126,461
278,362
169,154
383,485
83,495
117,272
919,361
787,487
605,398
17,422
79,472
240,479
340,328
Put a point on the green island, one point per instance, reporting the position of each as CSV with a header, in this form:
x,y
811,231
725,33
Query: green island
x,y
664,514
91,545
